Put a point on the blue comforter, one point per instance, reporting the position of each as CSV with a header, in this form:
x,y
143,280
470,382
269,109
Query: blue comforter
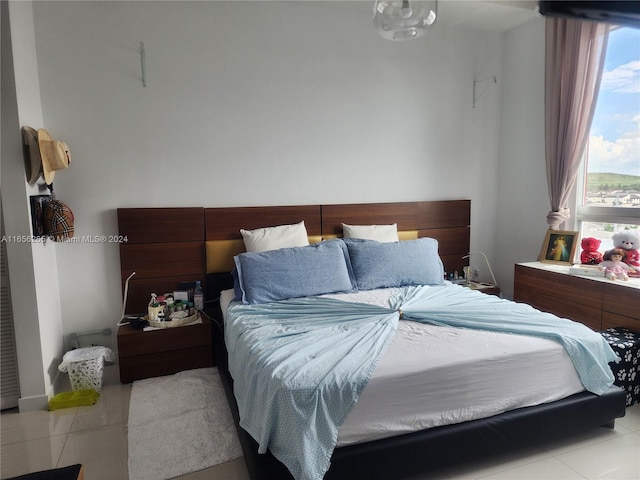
x,y
300,365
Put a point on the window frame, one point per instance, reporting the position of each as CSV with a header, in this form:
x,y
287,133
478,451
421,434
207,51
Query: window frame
x,y
593,213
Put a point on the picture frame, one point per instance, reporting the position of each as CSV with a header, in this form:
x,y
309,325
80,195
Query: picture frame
x,y
559,247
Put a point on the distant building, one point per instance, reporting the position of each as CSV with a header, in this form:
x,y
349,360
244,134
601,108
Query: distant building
x,y
616,198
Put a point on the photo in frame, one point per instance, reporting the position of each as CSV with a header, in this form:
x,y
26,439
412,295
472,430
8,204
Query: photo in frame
x,y
559,247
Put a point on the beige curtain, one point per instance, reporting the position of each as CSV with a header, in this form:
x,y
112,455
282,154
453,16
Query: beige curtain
x,y
574,59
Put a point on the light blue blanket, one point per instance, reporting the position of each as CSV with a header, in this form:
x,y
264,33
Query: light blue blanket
x,y
299,365
450,305
298,368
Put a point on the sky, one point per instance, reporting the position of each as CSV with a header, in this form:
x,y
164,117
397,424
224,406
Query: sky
x,y
614,143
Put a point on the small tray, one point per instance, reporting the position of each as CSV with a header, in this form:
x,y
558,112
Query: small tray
x,y
76,398
178,322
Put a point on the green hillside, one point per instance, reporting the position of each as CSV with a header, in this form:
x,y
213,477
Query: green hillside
x,y
612,181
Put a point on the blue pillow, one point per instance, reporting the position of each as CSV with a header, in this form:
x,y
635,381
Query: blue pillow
x,y
395,264
237,291
294,272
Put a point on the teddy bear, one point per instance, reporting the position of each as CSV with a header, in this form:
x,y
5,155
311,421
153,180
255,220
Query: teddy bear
x,y
613,266
629,241
590,254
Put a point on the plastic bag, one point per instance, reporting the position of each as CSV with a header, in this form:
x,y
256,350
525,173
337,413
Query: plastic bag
x,y
86,353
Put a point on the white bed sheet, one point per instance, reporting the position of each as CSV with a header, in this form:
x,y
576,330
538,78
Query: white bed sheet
x,y
431,376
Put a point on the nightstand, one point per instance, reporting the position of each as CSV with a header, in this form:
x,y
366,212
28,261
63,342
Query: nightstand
x,y
166,351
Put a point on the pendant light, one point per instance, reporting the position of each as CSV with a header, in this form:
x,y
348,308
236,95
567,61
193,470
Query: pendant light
x,y
404,19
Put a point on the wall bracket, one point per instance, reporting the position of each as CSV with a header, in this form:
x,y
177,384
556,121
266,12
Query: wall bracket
x,y
476,94
143,65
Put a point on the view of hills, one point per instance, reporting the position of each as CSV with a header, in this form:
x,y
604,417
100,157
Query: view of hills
x,y
599,182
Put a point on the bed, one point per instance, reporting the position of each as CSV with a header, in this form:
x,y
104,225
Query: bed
x,y
465,408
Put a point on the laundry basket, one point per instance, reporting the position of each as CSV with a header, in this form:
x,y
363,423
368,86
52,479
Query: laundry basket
x,y
86,374
85,366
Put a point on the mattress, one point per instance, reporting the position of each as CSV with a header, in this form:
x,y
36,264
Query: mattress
x,y
433,375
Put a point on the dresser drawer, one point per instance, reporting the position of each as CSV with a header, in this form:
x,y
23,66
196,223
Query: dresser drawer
x,y
563,288
163,352
622,300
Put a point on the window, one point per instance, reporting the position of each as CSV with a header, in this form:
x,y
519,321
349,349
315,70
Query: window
x,y
609,196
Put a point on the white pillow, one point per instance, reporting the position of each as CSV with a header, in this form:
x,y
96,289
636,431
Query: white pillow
x,y
273,238
381,233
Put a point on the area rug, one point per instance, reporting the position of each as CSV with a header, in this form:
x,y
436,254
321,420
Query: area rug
x,y
179,424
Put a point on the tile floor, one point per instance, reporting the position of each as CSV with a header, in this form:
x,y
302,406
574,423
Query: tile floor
x,y
96,436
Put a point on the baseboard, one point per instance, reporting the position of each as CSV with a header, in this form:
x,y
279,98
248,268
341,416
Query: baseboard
x,y
31,404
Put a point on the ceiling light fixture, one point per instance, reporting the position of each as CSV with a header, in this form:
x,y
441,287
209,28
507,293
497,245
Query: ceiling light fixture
x,y
404,19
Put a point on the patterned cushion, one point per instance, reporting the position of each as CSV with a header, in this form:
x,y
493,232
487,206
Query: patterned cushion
x,y
626,344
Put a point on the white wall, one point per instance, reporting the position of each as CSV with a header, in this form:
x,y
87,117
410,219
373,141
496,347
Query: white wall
x,y
253,103
32,266
523,200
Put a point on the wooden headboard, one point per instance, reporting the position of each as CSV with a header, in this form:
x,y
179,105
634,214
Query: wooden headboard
x,y
447,221
166,246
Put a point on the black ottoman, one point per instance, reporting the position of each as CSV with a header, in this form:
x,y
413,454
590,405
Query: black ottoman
x,y
626,344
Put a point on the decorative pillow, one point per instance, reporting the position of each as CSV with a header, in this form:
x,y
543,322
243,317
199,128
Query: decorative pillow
x,y
237,290
294,272
272,238
381,233
411,262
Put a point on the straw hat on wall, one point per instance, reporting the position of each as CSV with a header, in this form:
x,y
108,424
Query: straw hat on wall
x,y
32,159
54,153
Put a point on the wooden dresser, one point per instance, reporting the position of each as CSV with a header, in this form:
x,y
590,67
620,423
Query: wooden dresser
x,y
597,302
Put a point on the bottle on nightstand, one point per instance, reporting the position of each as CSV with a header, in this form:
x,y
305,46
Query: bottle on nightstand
x,y
198,297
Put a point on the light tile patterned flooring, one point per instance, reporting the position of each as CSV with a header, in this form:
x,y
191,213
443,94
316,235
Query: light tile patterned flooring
x,y
96,436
